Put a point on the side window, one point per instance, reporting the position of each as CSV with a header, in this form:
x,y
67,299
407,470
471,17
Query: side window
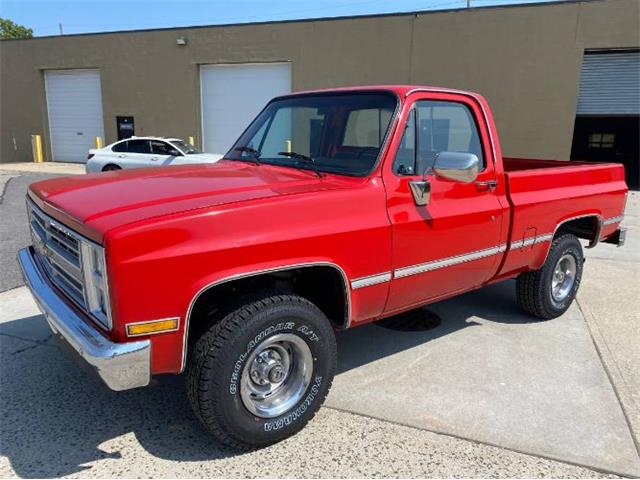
x,y
139,146
404,162
445,127
160,148
120,147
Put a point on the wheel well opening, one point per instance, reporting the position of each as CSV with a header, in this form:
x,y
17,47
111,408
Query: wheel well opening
x,y
587,228
322,285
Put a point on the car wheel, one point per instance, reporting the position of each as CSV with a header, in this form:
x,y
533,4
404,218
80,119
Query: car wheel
x,y
548,292
259,374
111,167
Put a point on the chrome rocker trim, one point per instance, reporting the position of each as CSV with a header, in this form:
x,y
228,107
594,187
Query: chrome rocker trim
x,y
121,366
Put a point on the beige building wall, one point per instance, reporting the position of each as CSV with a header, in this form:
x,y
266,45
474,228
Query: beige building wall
x,y
526,60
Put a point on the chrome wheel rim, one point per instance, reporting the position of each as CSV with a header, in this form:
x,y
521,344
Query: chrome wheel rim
x,y
276,375
564,277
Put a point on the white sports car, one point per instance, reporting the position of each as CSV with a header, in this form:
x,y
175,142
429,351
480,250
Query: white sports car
x,y
137,152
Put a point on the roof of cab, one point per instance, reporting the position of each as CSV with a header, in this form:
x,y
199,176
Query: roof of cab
x,y
400,90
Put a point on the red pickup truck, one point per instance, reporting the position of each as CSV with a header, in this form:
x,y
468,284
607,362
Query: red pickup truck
x,y
333,209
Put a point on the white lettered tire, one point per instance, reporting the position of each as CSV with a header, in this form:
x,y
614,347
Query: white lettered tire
x,y
259,374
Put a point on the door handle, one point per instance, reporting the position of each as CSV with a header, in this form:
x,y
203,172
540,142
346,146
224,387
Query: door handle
x,y
487,185
155,159
121,156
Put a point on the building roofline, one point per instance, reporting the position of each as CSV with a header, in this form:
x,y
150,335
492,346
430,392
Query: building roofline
x,y
539,3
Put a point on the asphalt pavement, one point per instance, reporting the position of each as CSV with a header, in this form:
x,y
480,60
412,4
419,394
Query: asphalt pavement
x,y
488,393
14,233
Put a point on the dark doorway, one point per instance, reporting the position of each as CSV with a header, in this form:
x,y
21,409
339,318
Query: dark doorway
x,y
609,139
125,127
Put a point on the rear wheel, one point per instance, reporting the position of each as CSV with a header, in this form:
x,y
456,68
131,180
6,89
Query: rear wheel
x,y
548,292
111,167
259,374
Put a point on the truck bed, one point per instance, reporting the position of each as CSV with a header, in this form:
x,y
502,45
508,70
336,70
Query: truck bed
x,y
545,193
513,164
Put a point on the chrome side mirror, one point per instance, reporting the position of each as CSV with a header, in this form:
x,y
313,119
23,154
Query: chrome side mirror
x,y
457,166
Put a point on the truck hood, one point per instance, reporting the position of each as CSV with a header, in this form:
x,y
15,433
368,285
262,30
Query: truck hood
x,y
96,203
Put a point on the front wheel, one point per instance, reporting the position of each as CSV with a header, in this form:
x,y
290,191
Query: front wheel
x,y
548,292
259,374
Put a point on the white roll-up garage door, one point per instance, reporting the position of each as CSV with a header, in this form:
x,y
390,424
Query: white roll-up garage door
x,y
610,84
74,106
232,95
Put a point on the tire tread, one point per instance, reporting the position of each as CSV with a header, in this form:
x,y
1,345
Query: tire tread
x,y
210,348
531,294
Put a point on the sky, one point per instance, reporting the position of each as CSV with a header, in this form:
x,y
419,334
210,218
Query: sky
x,y
83,16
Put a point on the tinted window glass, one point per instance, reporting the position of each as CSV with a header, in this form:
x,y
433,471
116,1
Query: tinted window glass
x,y
445,127
404,162
139,146
341,133
120,147
366,127
435,127
161,148
278,133
185,147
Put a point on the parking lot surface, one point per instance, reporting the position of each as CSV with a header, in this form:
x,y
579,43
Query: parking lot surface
x,y
487,393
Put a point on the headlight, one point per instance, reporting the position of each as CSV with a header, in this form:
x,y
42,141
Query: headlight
x,y
96,285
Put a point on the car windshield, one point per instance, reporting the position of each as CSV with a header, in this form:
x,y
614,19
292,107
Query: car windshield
x,y
185,147
335,133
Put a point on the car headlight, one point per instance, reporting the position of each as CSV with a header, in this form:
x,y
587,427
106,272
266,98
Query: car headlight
x,y
96,285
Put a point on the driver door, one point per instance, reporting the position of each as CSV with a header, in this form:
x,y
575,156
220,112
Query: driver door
x,y
162,154
451,244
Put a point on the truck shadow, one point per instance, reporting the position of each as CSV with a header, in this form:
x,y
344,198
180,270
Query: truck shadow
x,y
56,420
495,303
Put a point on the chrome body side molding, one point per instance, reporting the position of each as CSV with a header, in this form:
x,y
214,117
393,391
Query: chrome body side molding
x,y
609,221
447,262
370,280
527,242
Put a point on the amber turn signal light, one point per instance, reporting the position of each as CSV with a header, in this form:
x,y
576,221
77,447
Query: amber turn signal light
x,y
154,326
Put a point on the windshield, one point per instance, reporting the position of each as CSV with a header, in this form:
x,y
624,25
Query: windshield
x,y
335,133
186,148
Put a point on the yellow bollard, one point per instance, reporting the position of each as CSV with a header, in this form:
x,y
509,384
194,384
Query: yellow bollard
x,y
36,148
99,142
288,142
192,141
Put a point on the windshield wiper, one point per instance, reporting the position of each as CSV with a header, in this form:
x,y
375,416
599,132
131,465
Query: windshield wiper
x,y
255,154
304,158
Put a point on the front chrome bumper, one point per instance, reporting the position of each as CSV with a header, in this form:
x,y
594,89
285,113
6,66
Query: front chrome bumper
x,y
120,365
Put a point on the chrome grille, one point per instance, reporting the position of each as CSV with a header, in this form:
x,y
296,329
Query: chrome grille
x,y
58,250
